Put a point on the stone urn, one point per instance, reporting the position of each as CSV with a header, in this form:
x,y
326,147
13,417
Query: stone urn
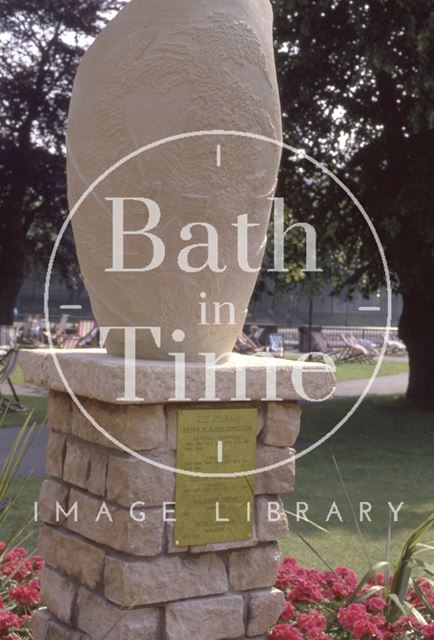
x,y
190,212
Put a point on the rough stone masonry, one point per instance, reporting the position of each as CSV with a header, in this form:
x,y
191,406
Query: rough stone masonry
x,y
113,574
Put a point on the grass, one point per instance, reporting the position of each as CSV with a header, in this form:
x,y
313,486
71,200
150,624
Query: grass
x,y
359,371
22,511
37,404
363,370
385,454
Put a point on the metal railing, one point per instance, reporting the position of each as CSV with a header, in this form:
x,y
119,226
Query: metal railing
x,y
333,335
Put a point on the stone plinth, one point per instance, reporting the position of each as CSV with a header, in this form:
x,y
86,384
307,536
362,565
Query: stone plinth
x,y
113,570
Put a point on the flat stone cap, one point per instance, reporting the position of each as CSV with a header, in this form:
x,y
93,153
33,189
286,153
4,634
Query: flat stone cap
x,y
93,373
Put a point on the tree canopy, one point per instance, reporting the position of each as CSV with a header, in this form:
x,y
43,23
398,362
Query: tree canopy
x,y
357,94
41,43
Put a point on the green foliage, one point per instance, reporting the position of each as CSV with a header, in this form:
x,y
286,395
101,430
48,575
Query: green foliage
x,y
23,511
357,94
10,485
41,43
408,563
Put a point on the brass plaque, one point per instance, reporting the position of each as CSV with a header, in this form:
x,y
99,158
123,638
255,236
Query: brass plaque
x,y
215,510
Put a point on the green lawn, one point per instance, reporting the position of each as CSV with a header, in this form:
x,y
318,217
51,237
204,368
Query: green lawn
x,y
35,404
22,511
359,371
385,453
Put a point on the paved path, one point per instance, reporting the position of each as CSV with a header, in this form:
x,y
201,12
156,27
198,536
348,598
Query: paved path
x,y
24,390
383,386
34,462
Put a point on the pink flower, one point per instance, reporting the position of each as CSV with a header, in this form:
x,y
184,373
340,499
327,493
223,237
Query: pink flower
x,y
428,630
406,623
288,613
15,554
376,604
8,621
20,593
312,623
315,604
26,594
306,592
360,623
341,583
285,632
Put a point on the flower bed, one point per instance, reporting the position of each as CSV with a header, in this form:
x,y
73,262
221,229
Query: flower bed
x,y
320,605
324,605
19,592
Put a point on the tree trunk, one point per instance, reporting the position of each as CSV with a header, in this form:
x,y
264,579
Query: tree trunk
x,y
416,329
12,258
9,290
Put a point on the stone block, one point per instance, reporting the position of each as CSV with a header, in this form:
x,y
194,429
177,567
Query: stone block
x,y
170,540
271,520
40,622
57,631
96,480
60,411
139,427
253,568
105,376
53,493
77,463
72,555
282,424
163,579
58,594
130,480
55,454
85,466
115,527
279,479
100,619
225,546
210,618
46,627
264,610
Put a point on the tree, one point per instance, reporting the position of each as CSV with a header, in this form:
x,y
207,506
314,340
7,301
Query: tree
x,y
357,94
41,43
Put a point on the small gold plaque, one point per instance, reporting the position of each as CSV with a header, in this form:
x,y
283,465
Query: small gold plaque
x,y
215,510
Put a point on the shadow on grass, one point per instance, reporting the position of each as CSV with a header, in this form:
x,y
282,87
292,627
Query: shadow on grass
x,y
385,453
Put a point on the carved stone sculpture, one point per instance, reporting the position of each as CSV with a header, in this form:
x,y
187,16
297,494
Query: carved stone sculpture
x,y
160,69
